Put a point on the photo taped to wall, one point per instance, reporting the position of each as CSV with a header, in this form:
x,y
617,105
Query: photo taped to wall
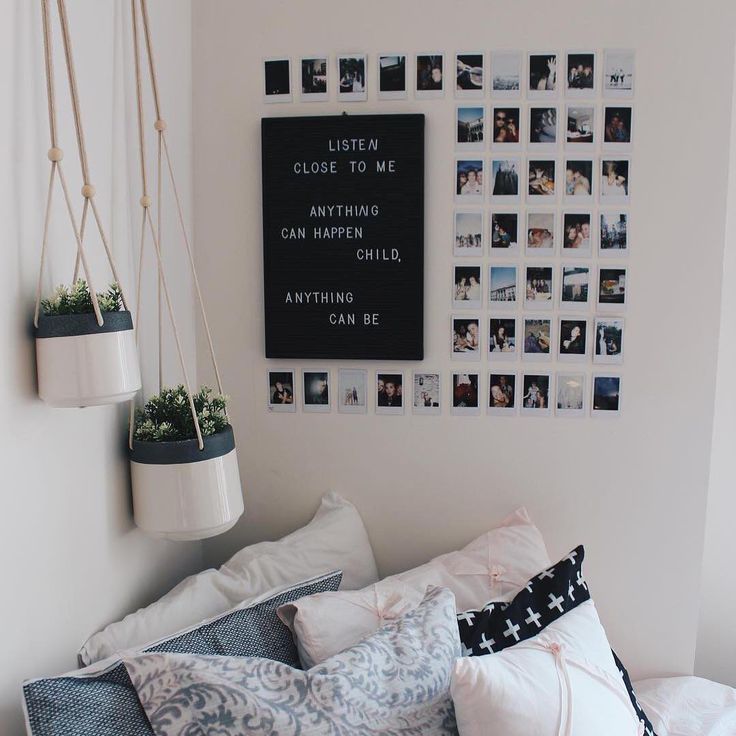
x,y
465,338
430,76
535,399
469,75
465,394
352,384
617,126
316,391
505,172
502,338
609,340
581,74
314,78
537,338
501,393
573,340
277,80
392,77
469,180
542,127
469,132
578,180
575,287
542,187
506,73
540,233
614,233
611,288
618,73
427,393
351,72
538,282
389,393
281,391
506,128
503,292
606,395
466,287
543,75
571,395
468,239
504,232
576,234
615,181
580,133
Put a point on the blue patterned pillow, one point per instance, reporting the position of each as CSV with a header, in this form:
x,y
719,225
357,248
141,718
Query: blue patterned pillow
x,y
100,700
394,683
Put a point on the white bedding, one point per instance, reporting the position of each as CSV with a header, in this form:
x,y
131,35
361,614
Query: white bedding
x,y
688,706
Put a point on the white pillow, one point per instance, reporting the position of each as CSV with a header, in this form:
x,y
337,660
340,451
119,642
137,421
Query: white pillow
x,y
334,539
563,682
493,567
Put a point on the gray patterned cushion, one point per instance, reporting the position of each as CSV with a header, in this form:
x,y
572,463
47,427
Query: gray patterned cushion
x,y
100,700
394,683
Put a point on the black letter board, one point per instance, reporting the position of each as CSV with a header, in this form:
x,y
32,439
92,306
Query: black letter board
x,y
343,236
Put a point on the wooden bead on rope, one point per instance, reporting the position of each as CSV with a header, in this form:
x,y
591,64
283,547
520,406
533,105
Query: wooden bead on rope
x,y
55,154
145,201
88,191
160,125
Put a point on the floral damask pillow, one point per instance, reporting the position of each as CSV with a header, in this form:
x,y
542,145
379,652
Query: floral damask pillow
x,y
395,683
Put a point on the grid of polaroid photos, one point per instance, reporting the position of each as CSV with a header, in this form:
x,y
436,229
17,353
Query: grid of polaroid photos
x,y
541,183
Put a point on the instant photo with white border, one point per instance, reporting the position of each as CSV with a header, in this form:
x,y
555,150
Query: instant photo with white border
x,y
496,167
497,251
463,225
352,380
576,276
574,382
500,146
466,294
503,282
314,96
579,140
581,92
539,70
430,94
528,392
392,94
562,337
502,411
602,350
578,197
500,354
357,94
541,221
465,411
611,306
615,62
547,300
609,194
577,218
614,252
505,65
540,357
467,114
600,412
460,345
610,146
271,377
397,407
475,190
541,164
473,93
436,378
282,96
316,408
539,124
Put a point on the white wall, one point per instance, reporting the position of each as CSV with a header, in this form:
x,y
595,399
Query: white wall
x,y
633,490
72,558
716,655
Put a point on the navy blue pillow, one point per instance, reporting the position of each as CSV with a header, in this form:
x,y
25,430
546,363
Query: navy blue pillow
x,y
100,700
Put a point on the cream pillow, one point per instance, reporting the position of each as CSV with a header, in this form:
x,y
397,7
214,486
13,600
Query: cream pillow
x,y
495,566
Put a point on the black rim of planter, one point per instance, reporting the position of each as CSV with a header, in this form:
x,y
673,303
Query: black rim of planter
x,y
71,325
183,451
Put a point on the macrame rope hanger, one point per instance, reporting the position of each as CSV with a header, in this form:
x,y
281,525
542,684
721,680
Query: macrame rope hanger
x,y
56,155
147,224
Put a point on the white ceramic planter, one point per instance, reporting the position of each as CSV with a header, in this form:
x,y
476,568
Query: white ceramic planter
x,y
80,363
183,493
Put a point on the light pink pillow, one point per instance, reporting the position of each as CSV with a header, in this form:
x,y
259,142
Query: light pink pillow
x,y
495,566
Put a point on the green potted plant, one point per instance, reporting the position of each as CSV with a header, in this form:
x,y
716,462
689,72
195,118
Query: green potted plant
x,y
81,362
183,489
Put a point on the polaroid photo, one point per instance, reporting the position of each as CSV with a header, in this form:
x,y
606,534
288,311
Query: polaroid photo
x,y
543,75
469,75
577,234
469,181
465,394
501,394
466,287
389,393
541,181
571,395
469,135
615,181
503,287
618,73
609,340
504,233
430,76
614,234
580,74
506,73
618,123
606,396
315,78
392,77
538,339
465,338
316,397
611,288
580,131
538,284
352,391
575,287
536,392
506,134
427,393
502,338
572,344
351,75
540,233
505,176
543,135
277,80
281,391
468,237
579,180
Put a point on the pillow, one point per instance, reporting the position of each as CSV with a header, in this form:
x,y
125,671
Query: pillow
x,y
497,564
394,683
101,700
334,539
546,598
561,682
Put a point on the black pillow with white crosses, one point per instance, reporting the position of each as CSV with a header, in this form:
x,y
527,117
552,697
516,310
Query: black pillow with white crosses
x,y
544,599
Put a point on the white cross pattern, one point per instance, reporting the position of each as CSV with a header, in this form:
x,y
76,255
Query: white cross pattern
x,y
528,586
467,616
486,643
581,581
571,592
556,602
572,557
546,574
512,629
466,652
533,617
